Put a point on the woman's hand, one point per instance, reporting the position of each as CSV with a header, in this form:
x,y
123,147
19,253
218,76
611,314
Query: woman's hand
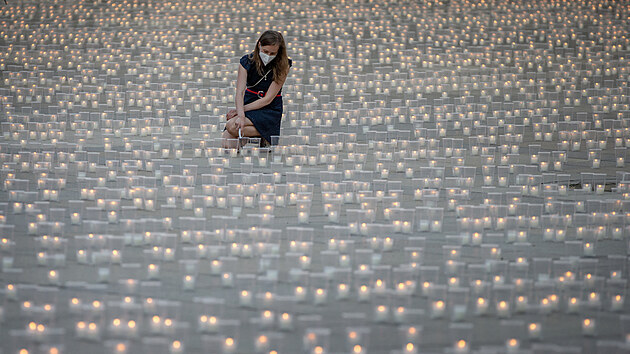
x,y
231,114
239,122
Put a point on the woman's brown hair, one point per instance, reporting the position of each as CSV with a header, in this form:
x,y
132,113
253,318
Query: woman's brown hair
x,y
280,64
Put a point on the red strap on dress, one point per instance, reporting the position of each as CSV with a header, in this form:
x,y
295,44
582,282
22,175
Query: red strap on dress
x,y
260,94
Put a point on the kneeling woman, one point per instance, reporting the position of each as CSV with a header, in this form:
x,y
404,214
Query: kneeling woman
x,y
261,75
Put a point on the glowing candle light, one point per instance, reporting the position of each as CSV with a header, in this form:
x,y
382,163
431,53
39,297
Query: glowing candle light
x,y
588,326
299,293
461,347
437,309
481,307
343,291
512,345
616,303
503,309
229,345
303,217
589,249
381,313
153,271
176,347
364,293
285,322
53,277
320,296
11,292
245,298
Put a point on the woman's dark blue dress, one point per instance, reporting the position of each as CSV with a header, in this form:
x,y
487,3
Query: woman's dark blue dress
x,y
266,119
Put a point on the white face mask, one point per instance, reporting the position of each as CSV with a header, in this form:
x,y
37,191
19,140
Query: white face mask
x,y
266,58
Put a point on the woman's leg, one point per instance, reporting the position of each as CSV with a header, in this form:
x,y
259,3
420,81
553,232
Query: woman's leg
x,y
230,134
248,129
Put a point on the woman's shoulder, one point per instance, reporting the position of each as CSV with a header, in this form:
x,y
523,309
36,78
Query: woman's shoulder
x,y
246,61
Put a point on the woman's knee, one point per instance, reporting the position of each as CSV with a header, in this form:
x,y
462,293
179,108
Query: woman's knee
x,y
230,126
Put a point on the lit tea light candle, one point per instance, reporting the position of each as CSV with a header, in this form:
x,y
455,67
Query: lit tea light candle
x,y
176,347
299,293
379,287
262,343
616,302
589,249
388,244
115,257
461,347
596,163
397,225
453,282
512,345
437,309
245,298
75,219
153,271
580,232
248,201
189,282
344,261
503,309
112,217
235,249
285,322
363,228
156,324
364,293
548,234
305,262
208,324
32,228
222,202
512,209
266,318
11,292
521,304
594,299
481,307
332,244
303,217
436,226
534,330
588,326
343,291
320,296
229,344
406,227
82,257
599,189
53,277
381,313
573,305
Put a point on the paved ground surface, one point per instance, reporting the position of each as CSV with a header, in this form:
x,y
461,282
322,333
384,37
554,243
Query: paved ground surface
x,y
397,116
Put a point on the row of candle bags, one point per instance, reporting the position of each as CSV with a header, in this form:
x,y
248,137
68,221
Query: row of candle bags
x,y
449,177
